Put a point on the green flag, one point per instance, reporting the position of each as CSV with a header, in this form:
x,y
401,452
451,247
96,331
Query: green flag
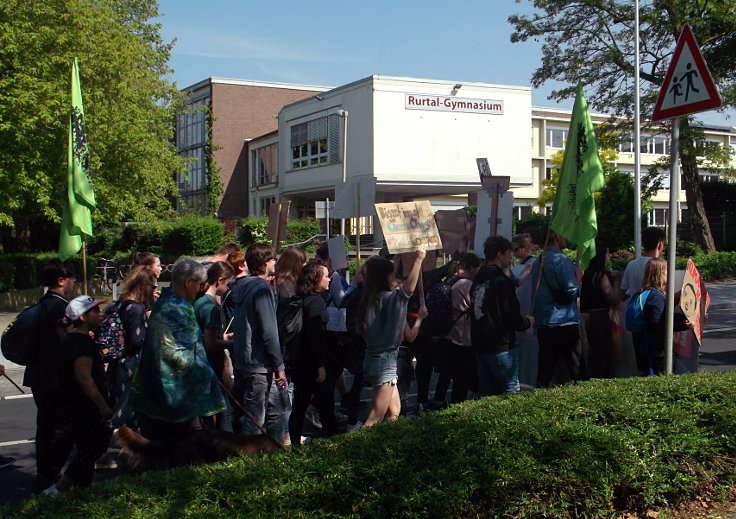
x,y
573,211
76,221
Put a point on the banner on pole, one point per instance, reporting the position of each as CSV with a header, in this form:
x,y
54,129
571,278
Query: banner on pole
x,y
407,225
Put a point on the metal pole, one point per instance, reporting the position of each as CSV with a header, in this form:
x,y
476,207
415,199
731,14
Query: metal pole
x,y
327,218
672,244
357,226
637,138
344,115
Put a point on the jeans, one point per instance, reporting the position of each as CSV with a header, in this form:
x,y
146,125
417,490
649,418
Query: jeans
x,y
497,373
259,397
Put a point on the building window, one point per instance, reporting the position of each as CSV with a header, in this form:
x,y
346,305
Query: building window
x,y
521,212
315,143
191,138
548,173
650,144
658,217
556,138
266,203
265,165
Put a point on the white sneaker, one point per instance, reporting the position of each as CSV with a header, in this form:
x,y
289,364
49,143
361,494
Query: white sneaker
x,y
53,490
358,426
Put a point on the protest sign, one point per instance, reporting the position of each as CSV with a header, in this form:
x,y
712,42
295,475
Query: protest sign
x,y
407,225
338,256
502,214
692,299
453,230
278,217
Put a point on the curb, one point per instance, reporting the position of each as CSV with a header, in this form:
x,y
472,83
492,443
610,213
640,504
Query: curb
x,y
722,306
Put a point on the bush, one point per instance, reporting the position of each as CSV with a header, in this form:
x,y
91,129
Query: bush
x,y
145,237
593,449
193,235
254,229
300,232
536,225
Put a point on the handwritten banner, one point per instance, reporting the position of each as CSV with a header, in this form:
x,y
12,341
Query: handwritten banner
x,y
408,225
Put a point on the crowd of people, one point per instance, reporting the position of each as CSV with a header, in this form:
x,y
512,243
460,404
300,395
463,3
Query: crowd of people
x,y
253,343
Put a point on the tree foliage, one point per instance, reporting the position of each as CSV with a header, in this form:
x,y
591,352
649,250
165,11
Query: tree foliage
x,y
592,42
129,107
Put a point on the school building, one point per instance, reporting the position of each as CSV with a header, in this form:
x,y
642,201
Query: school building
x,y
397,138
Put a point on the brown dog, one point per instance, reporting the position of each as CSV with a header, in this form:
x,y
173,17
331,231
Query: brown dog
x,y
199,447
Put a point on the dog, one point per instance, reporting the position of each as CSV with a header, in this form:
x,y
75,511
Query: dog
x,y
199,447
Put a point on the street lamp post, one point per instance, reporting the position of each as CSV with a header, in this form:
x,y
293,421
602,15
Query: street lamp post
x,y
344,115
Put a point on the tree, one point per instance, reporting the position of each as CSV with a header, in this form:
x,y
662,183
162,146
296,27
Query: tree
x,y
129,106
591,41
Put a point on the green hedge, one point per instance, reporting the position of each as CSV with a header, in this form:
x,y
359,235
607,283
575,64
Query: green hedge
x,y
586,450
194,235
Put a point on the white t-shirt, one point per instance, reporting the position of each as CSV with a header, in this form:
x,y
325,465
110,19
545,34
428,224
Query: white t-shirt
x,y
634,275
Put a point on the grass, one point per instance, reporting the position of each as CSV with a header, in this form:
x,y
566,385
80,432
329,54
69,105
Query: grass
x,y
583,450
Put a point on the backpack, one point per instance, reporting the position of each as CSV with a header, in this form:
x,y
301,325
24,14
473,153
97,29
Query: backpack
x,y
18,342
439,320
111,338
19,338
635,321
290,321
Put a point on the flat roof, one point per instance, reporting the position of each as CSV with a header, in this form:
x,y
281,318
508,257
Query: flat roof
x,y
253,82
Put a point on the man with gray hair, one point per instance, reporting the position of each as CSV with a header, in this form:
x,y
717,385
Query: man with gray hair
x,y
174,384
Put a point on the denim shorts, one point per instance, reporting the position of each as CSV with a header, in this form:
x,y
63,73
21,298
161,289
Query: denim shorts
x,y
381,367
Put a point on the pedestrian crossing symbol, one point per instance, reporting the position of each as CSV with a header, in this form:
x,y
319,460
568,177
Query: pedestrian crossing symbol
x,y
688,86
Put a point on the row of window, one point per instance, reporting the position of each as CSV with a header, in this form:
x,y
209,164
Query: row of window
x,y
315,142
651,144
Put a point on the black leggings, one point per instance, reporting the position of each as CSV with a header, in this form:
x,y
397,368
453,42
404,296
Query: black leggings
x,y
91,438
305,388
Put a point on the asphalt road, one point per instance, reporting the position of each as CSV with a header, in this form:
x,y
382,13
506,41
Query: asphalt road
x,y
17,412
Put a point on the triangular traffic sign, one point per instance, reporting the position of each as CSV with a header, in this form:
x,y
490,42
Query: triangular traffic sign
x,y
688,86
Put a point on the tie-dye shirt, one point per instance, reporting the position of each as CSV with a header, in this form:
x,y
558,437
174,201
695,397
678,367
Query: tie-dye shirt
x,y
174,382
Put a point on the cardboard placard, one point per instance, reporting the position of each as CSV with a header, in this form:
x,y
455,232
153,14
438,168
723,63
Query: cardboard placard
x,y
278,217
407,225
693,302
338,256
453,226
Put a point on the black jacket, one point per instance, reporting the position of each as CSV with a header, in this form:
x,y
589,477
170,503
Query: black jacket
x,y
495,313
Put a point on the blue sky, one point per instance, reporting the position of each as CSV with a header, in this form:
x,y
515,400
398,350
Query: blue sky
x,y
330,43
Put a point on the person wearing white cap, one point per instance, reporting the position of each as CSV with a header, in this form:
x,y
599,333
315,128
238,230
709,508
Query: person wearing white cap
x,y
80,403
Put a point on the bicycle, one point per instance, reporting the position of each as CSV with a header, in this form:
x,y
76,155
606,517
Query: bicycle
x,y
109,276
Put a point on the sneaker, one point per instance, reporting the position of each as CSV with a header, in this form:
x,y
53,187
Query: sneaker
x,y
6,461
312,416
53,490
355,427
105,462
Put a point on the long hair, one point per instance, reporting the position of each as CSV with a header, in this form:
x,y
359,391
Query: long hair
x,y
653,274
309,278
290,265
598,263
136,283
378,278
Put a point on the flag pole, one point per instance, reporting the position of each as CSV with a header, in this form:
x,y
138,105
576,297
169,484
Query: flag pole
x,y
541,266
637,139
84,266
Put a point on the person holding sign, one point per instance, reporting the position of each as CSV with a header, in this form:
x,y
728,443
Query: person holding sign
x,y
650,342
381,318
